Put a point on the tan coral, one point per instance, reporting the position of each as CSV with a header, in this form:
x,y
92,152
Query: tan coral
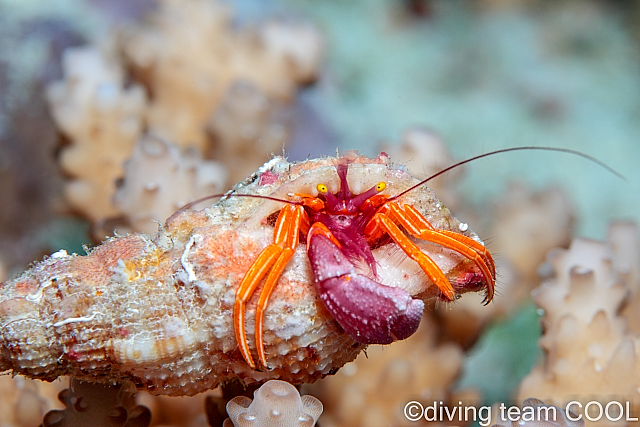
x,y
192,59
373,390
589,353
190,54
276,404
102,118
247,126
624,240
424,153
525,224
91,404
157,310
23,402
160,178
172,411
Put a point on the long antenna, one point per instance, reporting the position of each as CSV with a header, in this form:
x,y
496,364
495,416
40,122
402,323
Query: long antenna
x,y
506,150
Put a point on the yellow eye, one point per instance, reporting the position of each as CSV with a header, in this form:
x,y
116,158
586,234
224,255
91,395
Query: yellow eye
x,y
381,186
322,188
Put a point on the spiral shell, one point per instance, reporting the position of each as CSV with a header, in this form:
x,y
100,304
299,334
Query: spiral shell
x,y
157,310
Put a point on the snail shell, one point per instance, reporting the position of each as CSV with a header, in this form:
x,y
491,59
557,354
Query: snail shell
x,y
157,310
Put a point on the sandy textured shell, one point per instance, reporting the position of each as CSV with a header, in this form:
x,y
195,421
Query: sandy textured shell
x,y
157,310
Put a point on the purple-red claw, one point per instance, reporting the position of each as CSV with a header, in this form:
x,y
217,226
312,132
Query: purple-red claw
x,y
370,312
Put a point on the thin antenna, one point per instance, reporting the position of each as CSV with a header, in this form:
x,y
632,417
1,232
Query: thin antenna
x,y
226,195
506,150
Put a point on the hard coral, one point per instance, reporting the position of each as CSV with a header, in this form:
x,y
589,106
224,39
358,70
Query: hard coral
x,y
102,119
225,91
588,348
160,178
418,144
372,391
23,402
276,404
526,224
190,55
97,405
246,126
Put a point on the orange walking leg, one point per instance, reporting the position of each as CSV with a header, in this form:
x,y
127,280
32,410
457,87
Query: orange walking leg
x,y
421,223
273,258
417,225
381,222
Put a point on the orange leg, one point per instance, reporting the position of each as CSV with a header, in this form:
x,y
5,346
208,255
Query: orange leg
x,y
274,258
412,215
381,222
416,225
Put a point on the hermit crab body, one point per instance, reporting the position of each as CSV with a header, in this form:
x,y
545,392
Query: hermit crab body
x,y
176,313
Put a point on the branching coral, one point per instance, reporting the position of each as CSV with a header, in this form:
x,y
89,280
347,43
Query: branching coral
x,y
102,118
276,404
97,405
246,126
190,55
588,349
23,402
225,91
626,262
526,224
424,153
373,390
161,179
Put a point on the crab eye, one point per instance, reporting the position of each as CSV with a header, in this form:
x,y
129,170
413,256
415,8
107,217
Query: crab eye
x,y
381,186
322,188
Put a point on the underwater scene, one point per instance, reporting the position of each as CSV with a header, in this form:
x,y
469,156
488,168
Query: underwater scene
x,y
296,213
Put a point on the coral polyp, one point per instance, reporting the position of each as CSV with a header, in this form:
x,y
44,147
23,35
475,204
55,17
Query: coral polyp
x,y
158,310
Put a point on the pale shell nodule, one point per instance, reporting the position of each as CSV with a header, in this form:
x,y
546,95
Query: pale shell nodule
x,y
157,310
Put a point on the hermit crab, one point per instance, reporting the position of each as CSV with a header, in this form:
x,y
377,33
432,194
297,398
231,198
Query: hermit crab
x,y
302,265
340,229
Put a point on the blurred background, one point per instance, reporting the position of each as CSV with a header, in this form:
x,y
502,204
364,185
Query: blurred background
x,y
113,113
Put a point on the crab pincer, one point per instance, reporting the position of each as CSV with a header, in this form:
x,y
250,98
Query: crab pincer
x,y
341,230
175,313
370,312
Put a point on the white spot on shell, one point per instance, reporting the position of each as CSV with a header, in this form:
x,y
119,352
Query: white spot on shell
x,y
463,226
76,319
60,254
184,259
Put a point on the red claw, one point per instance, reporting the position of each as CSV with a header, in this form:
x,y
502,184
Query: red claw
x,y
370,312
341,228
